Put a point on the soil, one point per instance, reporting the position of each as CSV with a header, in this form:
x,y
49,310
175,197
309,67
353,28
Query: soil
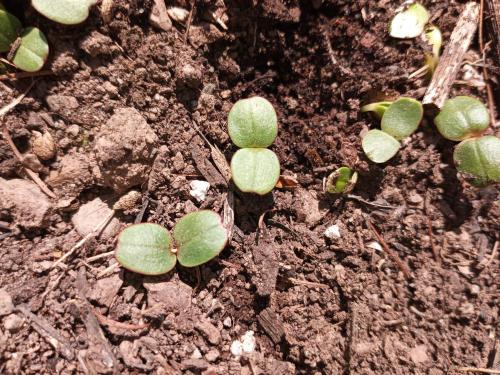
x,y
315,305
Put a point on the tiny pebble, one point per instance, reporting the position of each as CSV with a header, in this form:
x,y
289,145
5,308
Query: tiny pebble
x,y
199,189
332,232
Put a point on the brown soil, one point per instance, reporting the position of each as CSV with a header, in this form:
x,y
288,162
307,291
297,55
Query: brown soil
x,y
317,306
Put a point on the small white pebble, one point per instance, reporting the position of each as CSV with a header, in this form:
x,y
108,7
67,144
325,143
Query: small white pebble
x,y
199,189
196,354
227,322
246,344
332,232
374,245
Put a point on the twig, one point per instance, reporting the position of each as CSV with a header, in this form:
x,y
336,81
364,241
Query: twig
x,y
189,21
482,49
113,323
48,332
453,55
107,270
34,176
100,256
343,70
478,369
359,199
97,231
492,257
21,75
391,253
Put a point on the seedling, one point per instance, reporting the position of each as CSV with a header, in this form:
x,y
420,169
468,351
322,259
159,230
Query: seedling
x,y
255,170
67,12
479,159
461,118
149,249
341,181
27,49
379,146
253,126
402,118
252,123
434,38
410,22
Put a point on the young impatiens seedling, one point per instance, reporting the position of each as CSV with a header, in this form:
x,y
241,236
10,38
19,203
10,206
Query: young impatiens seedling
x,y
479,159
27,49
379,146
67,12
341,181
461,118
410,22
255,170
252,123
149,249
33,50
377,108
402,118
253,126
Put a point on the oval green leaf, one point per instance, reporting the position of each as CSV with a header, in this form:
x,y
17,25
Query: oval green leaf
x,y
479,158
253,123
9,28
402,118
409,23
461,118
67,12
341,181
255,170
145,249
379,146
33,51
199,237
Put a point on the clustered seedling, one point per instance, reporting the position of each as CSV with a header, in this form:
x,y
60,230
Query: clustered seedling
x,y
462,119
477,156
253,126
341,181
67,12
26,48
400,119
411,22
149,249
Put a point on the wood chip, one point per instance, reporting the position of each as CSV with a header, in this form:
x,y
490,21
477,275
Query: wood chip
x,y
271,324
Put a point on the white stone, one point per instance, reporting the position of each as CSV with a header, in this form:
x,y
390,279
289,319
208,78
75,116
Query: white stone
x,y
374,245
245,345
199,189
332,232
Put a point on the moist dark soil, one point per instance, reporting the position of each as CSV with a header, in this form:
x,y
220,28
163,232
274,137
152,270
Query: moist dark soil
x,y
315,305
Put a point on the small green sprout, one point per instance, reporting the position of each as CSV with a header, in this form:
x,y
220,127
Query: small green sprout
x,y
379,146
149,249
253,126
410,22
402,118
461,118
252,123
341,181
67,12
377,108
32,53
27,49
479,159
255,170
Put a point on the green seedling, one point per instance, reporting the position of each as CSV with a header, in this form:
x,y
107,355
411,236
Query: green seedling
x,y
461,118
255,170
67,12
252,123
479,159
410,22
402,118
32,53
341,181
379,146
253,126
149,249
433,37
27,49
377,108
10,27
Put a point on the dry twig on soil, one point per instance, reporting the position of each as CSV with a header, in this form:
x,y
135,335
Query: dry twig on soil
x,y
478,369
453,55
